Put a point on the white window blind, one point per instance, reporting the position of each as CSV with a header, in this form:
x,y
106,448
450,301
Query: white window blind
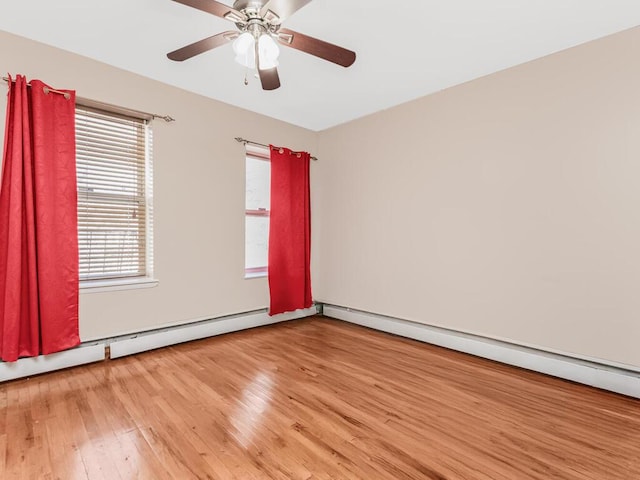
x,y
113,163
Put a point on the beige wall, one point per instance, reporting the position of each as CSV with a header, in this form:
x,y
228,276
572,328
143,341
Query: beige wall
x,y
199,192
508,206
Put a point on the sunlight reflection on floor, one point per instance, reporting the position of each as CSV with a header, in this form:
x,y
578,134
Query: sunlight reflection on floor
x,y
251,406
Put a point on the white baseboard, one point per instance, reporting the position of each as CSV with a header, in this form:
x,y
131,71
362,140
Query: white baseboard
x,y
185,333
26,367
95,351
567,367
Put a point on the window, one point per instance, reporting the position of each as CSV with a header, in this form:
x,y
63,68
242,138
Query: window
x,y
113,163
258,193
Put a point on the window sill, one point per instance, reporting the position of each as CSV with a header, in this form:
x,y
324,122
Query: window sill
x,y
249,275
97,286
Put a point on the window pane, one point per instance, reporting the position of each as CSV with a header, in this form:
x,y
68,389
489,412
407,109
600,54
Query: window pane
x,y
111,237
257,241
258,184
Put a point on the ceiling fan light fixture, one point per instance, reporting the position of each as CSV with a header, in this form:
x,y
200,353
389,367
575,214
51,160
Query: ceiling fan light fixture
x,y
244,48
268,51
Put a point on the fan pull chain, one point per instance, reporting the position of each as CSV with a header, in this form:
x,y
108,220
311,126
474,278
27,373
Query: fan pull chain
x,y
246,80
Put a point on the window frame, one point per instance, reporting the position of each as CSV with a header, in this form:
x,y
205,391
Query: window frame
x,y
145,279
261,154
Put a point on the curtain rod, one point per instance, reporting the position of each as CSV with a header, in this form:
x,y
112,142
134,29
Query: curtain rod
x,y
244,141
86,102
46,89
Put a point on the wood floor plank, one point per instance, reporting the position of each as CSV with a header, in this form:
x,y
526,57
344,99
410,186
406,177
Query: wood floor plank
x,y
313,399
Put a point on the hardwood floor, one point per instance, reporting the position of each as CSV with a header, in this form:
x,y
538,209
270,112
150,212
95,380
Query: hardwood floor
x,y
312,399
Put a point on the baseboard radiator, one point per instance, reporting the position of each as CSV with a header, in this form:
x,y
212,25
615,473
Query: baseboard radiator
x,y
121,346
615,378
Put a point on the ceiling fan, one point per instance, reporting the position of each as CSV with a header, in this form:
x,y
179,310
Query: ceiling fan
x,y
259,28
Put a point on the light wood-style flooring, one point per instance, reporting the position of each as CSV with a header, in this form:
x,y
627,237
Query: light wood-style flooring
x,y
312,399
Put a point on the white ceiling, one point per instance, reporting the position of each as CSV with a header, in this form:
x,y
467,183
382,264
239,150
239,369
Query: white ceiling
x,y
405,51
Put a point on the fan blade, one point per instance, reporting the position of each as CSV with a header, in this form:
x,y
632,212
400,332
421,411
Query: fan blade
x,y
318,48
202,46
283,8
215,8
269,78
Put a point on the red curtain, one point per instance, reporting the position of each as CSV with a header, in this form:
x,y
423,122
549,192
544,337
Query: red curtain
x,y
38,223
289,231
